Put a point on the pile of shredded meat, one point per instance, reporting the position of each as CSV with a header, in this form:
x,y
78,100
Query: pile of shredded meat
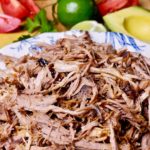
x,y
76,94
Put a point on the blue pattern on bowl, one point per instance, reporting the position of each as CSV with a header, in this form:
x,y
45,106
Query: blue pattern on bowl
x,y
123,40
118,40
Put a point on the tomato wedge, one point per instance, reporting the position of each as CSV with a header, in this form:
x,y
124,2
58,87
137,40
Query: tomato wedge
x,y
31,6
133,2
14,8
19,9
108,6
8,23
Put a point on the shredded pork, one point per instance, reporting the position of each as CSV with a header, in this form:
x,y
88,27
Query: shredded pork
x,y
76,94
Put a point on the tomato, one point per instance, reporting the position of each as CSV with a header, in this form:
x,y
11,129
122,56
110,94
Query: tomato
x,y
71,12
20,9
14,8
8,23
108,6
30,5
133,2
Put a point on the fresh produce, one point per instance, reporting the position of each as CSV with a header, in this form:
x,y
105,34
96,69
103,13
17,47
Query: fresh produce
x,y
71,12
89,26
14,8
138,26
30,5
23,9
39,23
108,6
77,15
19,9
115,21
8,23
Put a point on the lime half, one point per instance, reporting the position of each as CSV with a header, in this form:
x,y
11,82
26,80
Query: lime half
x,y
89,26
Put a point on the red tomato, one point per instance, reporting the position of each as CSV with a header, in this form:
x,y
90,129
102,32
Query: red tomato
x,y
8,23
14,8
108,6
20,9
30,5
133,2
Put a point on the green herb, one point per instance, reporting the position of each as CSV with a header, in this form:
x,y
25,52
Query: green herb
x,y
40,22
23,37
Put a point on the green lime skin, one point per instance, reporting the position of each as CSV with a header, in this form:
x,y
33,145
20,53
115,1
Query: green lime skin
x,y
71,12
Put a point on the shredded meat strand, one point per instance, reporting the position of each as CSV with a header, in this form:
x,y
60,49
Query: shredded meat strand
x,y
75,94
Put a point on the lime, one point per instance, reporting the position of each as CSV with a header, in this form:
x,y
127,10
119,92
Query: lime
x,y
71,12
89,26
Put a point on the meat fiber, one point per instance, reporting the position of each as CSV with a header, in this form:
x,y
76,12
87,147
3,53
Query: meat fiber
x,y
75,94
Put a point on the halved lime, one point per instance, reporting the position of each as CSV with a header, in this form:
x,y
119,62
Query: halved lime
x,y
89,26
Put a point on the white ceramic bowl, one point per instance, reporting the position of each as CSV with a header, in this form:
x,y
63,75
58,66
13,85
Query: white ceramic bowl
x,y
118,40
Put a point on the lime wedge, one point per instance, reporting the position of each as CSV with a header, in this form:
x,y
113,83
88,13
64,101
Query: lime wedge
x,y
89,26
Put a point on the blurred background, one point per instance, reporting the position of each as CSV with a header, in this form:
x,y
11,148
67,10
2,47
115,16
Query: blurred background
x,y
144,3
21,19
